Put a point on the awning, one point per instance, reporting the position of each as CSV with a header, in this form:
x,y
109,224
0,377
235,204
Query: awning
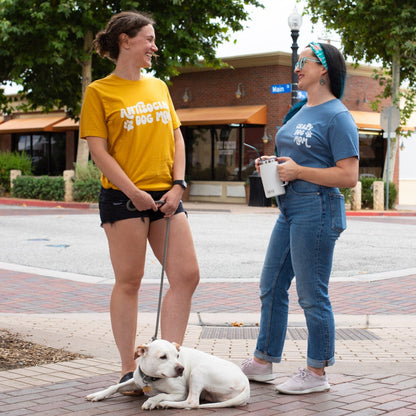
x,y
30,124
65,125
245,114
366,119
371,120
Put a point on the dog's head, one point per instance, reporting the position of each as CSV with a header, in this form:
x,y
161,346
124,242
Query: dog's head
x,y
159,359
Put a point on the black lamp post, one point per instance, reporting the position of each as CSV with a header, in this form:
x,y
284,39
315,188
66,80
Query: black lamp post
x,y
294,21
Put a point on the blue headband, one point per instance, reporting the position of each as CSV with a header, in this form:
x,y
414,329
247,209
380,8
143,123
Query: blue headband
x,y
318,51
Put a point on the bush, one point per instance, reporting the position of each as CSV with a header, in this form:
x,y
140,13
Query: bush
x,y
84,173
367,192
347,194
86,183
44,187
87,190
10,161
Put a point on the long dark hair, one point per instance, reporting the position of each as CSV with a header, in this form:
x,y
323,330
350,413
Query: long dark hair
x,y
106,42
337,73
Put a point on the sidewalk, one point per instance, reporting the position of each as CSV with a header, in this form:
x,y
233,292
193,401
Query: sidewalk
x,y
375,365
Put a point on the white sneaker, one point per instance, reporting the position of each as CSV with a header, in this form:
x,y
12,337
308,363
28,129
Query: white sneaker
x,y
304,382
256,371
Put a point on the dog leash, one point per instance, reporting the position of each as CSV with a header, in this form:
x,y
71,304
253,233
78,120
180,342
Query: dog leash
x,y
165,249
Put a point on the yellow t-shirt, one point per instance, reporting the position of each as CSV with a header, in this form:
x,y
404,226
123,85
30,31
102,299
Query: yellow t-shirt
x,y
137,118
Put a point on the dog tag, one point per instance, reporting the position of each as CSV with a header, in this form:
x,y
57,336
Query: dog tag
x,y
147,389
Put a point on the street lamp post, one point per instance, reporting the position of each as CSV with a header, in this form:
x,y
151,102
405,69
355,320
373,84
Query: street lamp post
x,y
294,21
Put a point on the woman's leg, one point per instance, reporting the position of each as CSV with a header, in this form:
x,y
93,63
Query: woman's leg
x,y
127,241
312,248
182,272
275,281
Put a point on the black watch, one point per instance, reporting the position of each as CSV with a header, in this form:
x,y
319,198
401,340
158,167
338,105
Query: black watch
x,y
181,183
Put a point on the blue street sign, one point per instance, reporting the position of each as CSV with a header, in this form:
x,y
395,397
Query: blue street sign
x,y
281,88
302,95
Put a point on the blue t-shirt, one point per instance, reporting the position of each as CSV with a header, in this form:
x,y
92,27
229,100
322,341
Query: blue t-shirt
x,y
319,136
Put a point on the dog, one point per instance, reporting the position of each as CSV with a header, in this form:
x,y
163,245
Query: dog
x,y
180,377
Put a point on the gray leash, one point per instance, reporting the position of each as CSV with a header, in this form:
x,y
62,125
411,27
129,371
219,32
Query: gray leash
x,y
165,250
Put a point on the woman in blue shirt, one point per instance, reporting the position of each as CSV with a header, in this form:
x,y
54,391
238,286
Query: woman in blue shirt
x,y
318,152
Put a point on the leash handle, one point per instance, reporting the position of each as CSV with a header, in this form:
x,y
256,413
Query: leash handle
x,y
165,250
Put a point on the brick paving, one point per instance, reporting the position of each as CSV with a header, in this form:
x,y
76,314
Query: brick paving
x,y
17,289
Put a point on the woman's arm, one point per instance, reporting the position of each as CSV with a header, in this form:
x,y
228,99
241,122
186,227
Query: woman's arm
x,y
179,160
174,195
343,175
111,169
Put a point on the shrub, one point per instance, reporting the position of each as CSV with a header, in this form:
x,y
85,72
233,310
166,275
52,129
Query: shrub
x,y
44,187
87,190
90,171
347,194
10,161
367,192
86,183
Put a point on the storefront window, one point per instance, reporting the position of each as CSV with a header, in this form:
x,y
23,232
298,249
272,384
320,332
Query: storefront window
x,y
215,153
372,153
47,151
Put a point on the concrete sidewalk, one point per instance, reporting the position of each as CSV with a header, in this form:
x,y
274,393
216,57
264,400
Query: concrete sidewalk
x,y
375,365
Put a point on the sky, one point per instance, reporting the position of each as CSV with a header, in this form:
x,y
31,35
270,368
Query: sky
x,y
267,31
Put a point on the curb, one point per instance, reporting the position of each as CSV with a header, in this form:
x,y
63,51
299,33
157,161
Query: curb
x,y
87,205
46,204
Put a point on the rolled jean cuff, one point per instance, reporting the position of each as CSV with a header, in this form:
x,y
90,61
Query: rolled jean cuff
x,y
320,363
265,357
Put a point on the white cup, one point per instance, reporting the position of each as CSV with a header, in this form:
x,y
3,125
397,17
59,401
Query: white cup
x,y
272,184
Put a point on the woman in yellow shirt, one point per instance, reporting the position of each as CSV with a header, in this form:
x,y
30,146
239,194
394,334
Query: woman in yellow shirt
x,y
134,138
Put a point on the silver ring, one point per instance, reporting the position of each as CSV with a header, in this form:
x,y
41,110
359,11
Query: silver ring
x,y
130,206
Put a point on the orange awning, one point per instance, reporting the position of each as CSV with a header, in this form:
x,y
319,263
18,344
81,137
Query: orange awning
x,y
245,114
23,125
366,119
371,120
65,125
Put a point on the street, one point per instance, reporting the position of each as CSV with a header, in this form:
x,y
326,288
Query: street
x,y
230,244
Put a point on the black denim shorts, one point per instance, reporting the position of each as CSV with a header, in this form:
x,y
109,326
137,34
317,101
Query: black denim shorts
x,y
114,206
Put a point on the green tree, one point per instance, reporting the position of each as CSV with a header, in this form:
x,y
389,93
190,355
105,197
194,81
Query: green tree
x,y
377,30
46,46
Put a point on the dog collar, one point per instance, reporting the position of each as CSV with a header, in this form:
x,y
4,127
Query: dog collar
x,y
147,379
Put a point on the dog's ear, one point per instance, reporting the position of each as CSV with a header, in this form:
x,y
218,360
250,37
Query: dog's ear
x,y
140,350
178,347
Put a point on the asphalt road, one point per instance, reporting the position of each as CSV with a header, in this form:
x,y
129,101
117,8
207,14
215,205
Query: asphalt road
x,y
230,245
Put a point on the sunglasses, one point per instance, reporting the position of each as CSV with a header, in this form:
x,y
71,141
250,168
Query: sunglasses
x,y
301,63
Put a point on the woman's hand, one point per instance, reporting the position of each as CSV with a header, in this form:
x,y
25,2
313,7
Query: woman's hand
x,y
172,199
288,169
143,201
257,161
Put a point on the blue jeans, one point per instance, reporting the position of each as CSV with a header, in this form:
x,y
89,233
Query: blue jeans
x,y
302,244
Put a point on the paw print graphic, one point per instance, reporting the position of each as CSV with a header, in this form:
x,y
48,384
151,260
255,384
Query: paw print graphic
x,y
128,125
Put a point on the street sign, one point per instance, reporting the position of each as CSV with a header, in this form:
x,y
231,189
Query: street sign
x,y
302,95
390,119
281,88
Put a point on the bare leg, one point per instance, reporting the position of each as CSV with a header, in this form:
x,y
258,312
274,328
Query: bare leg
x,y
182,271
127,241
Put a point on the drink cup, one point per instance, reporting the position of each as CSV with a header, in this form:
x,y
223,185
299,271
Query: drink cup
x,y
272,184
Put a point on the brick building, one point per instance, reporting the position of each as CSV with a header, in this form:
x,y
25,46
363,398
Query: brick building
x,y
219,111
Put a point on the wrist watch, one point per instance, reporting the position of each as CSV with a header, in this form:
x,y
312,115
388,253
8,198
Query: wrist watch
x,y
181,183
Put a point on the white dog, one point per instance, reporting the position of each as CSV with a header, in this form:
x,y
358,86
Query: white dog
x,y
179,377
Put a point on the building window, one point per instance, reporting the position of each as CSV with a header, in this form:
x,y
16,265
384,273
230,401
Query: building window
x,y
216,153
372,153
47,151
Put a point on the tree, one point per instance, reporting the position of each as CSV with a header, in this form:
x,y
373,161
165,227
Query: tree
x,y
46,46
384,31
